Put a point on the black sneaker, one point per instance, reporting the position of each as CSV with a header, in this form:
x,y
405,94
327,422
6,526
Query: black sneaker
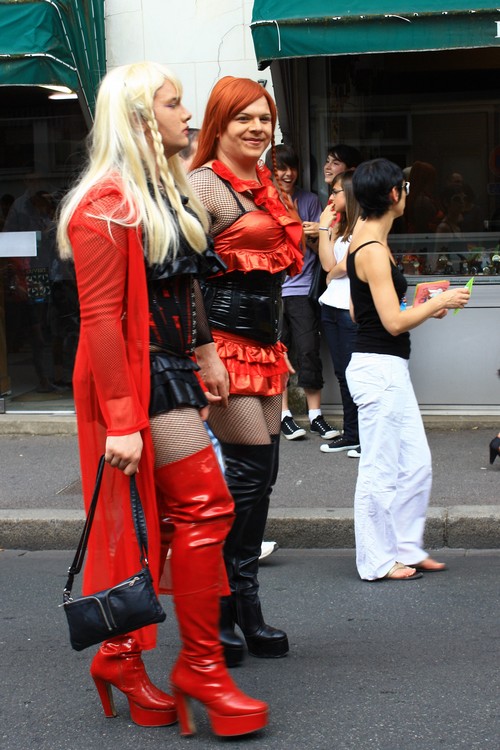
x,y
340,443
290,429
320,426
354,453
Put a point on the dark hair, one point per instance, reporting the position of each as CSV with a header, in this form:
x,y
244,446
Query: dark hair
x,y
450,194
372,182
186,152
349,155
285,157
468,192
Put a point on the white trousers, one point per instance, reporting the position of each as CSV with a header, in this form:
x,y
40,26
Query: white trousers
x,y
395,473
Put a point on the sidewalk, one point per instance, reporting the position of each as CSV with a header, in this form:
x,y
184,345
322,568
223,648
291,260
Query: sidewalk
x,y
311,506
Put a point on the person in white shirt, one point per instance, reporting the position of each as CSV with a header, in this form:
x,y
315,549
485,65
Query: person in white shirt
x,y
335,228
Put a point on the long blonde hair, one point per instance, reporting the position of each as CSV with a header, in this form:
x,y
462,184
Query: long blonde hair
x,y
120,151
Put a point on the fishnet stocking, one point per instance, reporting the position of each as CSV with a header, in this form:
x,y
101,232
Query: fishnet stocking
x,y
177,434
248,420
218,199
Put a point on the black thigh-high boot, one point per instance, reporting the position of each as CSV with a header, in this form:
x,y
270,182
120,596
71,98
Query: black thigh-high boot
x,y
234,648
251,471
248,470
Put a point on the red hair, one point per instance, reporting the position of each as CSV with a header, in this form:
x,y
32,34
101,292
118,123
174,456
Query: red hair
x,y
228,97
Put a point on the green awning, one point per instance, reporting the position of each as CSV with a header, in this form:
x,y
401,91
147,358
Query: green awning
x,y
53,42
309,28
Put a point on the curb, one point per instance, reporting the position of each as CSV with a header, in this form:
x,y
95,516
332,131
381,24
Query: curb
x,y
65,424
38,424
457,527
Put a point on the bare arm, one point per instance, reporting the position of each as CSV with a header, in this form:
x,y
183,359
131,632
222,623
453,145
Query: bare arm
x,y
339,270
213,374
327,236
351,311
373,266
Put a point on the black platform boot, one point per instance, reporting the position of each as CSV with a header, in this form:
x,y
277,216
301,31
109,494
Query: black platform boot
x,y
233,645
251,472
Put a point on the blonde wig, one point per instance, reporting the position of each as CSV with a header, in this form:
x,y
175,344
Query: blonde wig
x,y
125,146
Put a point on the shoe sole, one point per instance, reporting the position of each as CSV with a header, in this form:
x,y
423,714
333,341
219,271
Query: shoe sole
x,y
327,436
296,435
277,650
327,449
414,577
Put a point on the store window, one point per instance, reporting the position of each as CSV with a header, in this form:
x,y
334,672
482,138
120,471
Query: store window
x,y
436,114
41,151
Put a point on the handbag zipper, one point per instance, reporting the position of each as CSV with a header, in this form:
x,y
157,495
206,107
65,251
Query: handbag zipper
x,y
124,584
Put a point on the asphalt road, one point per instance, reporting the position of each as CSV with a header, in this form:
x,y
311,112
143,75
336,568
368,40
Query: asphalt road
x,y
383,666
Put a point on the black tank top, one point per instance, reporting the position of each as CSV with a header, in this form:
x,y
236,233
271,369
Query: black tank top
x,y
372,336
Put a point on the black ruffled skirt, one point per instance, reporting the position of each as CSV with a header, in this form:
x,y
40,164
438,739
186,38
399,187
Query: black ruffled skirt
x,y
174,383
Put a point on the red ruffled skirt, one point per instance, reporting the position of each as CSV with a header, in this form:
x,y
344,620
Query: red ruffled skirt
x,y
254,369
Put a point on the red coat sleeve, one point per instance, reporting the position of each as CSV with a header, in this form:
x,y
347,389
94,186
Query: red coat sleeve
x,y
100,251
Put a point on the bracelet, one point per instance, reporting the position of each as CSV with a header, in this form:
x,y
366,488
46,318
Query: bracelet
x,y
324,229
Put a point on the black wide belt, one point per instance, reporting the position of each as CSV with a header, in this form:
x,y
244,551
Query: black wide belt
x,y
247,304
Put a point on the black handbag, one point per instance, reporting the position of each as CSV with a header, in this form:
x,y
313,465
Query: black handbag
x,y
127,606
318,282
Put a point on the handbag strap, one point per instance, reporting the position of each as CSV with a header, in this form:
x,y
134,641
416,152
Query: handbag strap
x,y
137,517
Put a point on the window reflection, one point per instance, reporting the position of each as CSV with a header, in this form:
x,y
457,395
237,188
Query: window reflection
x,y
436,114
42,142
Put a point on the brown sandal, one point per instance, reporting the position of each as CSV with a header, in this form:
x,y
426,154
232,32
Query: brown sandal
x,y
389,576
428,565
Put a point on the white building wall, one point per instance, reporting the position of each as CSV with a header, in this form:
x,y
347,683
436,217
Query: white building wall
x,y
200,40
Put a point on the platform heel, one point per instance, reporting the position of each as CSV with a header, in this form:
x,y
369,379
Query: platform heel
x,y
118,664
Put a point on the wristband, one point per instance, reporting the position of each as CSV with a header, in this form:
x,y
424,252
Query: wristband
x,y
324,229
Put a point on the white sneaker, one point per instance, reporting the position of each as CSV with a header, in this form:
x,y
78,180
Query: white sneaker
x,y
267,549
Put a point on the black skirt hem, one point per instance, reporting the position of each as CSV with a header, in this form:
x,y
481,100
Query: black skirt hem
x,y
174,384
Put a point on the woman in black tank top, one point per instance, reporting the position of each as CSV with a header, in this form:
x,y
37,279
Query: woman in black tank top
x,y
394,479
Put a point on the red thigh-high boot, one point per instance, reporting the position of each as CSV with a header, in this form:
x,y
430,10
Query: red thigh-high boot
x,y
118,662
166,535
201,510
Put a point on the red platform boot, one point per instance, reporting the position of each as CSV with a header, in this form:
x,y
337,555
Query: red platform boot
x,y
119,663
202,512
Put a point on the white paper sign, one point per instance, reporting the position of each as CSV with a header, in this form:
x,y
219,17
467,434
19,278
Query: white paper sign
x,y
18,244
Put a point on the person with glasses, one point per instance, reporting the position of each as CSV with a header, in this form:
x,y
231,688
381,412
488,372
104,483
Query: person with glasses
x,y
395,474
339,329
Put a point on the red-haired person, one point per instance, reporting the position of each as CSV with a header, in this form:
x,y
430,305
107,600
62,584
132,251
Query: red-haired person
x,y
259,239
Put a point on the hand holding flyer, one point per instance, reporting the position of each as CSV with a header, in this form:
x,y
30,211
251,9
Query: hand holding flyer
x,y
469,287
428,289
